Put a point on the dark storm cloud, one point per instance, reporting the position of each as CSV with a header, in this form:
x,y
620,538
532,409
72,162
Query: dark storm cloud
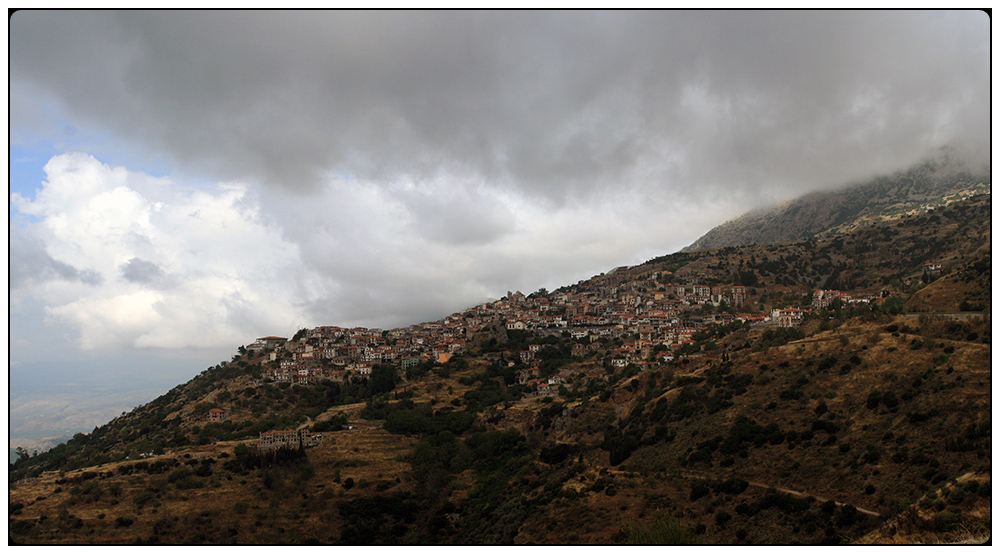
x,y
554,104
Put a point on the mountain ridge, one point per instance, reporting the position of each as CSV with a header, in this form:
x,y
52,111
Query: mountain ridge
x,y
932,183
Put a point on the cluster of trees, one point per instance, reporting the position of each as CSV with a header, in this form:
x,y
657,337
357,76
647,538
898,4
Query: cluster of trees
x,y
247,459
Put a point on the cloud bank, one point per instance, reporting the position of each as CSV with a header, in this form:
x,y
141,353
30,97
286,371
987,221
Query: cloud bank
x,y
553,104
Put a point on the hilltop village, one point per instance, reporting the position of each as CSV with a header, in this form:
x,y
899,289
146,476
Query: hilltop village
x,y
632,319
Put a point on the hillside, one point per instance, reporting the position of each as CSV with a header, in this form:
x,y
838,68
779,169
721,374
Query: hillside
x,y
934,183
706,397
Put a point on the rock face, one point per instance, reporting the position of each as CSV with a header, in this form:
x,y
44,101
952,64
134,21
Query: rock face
x,y
931,184
496,331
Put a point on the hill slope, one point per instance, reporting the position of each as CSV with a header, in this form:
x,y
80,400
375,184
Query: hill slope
x,y
931,184
634,407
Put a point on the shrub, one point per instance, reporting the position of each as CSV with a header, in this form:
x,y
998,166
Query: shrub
x,y
874,398
731,486
889,399
699,489
848,516
143,498
722,517
828,507
784,502
123,521
955,496
872,455
556,453
748,510
946,521
664,530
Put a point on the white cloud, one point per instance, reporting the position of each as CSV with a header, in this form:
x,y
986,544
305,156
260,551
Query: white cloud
x,y
212,265
129,261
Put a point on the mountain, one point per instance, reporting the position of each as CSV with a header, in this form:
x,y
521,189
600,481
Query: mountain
x,y
33,445
934,183
824,391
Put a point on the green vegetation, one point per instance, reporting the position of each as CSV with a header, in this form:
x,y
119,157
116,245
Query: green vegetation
x,y
664,530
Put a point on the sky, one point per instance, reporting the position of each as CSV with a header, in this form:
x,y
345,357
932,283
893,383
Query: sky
x,y
184,182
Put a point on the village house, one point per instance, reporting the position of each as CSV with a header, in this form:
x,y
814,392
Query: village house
x,y
823,298
524,376
288,439
739,295
787,317
217,415
272,342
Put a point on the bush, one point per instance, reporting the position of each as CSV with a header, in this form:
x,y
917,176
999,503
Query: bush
x,y
664,530
699,489
731,486
848,516
872,455
784,502
946,521
143,498
889,399
722,517
123,521
874,398
556,453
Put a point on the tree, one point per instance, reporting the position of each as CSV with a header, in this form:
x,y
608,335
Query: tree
x,y
747,278
383,379
22,454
